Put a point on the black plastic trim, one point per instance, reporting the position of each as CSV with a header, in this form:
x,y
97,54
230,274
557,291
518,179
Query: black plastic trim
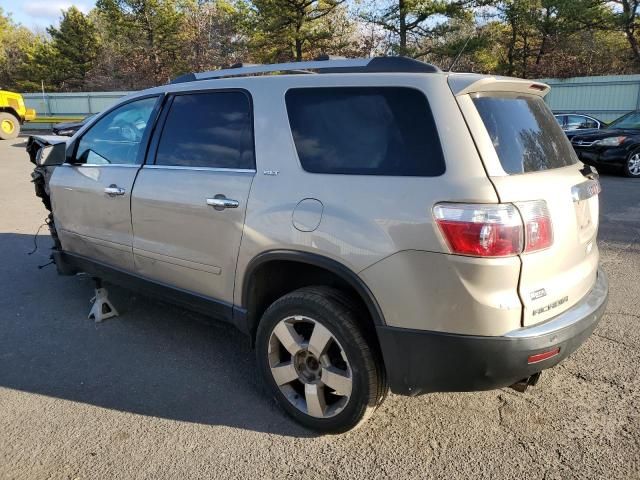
x,y
187,77
386,65
203,304
390,64
421,361
333,266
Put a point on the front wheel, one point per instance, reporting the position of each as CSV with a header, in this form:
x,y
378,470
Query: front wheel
x,y
9,126
632,167
315,361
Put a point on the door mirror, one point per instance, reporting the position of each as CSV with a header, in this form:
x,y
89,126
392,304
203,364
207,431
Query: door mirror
x,y
51,155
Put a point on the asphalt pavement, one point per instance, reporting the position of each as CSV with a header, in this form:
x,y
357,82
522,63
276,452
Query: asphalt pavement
x,y
156,393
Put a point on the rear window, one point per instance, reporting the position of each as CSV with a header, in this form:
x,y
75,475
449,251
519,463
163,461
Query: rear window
x,y
365,131
526,136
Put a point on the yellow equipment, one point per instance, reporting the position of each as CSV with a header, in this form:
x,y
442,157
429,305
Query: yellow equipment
x,y
13,113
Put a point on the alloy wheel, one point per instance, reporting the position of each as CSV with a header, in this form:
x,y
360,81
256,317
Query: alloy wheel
x,y
310,366
633,164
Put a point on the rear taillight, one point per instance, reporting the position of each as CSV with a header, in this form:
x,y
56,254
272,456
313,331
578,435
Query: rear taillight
x,y
537,225
494,230
480,230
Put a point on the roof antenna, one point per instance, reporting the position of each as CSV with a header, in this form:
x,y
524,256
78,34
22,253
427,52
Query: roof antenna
x,y
455,60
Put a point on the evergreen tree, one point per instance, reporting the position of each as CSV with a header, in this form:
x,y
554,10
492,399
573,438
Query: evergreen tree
x,y
75,48
287,29
147,35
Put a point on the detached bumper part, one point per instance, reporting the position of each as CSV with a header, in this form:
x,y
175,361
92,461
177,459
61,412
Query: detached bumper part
x,y
419,361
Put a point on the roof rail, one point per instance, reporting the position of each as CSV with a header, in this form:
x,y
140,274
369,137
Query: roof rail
x,y
324,65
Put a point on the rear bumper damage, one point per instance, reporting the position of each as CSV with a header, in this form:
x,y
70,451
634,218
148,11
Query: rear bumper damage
x,y
419,361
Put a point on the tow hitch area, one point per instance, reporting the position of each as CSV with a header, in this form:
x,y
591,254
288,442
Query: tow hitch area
x,y
525,383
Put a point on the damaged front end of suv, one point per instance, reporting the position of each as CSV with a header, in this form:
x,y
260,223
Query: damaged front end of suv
x,y
46,153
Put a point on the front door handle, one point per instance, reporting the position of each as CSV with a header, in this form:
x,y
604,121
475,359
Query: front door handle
x,y
220,202
113,190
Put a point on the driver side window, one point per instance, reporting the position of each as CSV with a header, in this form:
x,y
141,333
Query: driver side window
x,y
115,139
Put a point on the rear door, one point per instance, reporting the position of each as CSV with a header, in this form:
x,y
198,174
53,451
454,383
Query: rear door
x,y
189,200
528,158
91,193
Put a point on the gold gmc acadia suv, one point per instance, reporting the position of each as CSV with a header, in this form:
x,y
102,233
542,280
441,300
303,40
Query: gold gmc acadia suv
x,y
370,224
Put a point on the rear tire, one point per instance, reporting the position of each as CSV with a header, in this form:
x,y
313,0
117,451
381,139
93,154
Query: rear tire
x,y
314,360
631,167
9,126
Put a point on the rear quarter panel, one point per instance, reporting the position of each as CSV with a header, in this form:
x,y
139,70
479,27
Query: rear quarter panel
x,y
365,218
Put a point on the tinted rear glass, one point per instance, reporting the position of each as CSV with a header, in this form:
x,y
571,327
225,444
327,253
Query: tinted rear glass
x,y
526,136
365,131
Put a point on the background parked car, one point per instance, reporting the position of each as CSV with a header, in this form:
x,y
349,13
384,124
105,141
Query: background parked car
x,y
618,145
575,124
69,128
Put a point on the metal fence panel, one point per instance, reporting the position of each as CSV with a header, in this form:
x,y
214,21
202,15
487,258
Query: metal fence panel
x,y
605,97
69,104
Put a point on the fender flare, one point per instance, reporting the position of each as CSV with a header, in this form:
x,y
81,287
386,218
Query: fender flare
x,y
335,267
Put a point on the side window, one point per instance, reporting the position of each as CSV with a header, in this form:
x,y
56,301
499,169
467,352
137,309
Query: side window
x,y
562,120
580,121
365,131
212,130
115,139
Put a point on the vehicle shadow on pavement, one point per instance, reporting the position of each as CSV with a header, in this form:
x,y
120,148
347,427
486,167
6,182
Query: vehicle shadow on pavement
x,y
619,220
154,359
19,145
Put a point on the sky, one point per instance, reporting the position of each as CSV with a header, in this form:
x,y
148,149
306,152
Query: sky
x,y
39,14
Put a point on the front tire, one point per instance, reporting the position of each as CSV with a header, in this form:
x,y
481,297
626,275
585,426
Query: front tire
x,y
9,126
314,359
632,166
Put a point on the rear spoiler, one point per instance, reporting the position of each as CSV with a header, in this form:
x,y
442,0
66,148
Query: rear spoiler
x,y
463,84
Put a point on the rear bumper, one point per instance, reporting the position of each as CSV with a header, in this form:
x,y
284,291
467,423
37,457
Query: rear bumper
x,y
419,361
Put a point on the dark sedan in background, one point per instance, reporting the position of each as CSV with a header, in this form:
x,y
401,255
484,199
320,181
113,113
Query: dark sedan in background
x,y
617,146
578,121
67,129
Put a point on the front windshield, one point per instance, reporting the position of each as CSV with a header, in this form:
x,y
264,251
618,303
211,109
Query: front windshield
x,y
630,120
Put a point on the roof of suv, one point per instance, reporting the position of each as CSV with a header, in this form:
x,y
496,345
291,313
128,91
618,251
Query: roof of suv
x,y
320,65
459,83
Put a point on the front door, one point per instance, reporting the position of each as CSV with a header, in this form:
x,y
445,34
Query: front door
x,y
91,194
189,201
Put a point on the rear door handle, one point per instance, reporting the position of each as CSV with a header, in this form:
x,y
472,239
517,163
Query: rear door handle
x,y
113,190
220,202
